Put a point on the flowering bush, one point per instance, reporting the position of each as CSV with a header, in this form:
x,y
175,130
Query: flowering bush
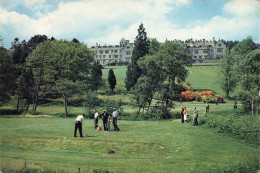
x,y
207,93
205,96
209,99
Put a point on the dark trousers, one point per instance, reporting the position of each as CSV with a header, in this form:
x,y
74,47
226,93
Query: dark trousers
x,y
96,122
195,121
78,125
182,118
108,124
115,124
105,124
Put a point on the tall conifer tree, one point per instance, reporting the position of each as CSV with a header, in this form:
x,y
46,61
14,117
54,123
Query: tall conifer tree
x,y
111,79
141,48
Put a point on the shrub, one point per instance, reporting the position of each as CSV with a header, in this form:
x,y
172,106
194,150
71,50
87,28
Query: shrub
x,y
245,127
209,99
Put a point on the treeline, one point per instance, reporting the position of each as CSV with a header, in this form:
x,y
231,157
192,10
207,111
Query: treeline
x,y
41,69
240,68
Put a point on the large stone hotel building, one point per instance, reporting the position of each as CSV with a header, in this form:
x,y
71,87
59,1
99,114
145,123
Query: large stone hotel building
x,y
201,51
114,54
205,51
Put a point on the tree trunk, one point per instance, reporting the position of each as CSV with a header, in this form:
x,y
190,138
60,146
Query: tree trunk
x,y
252,105
18,103
28,104
149,105
65,106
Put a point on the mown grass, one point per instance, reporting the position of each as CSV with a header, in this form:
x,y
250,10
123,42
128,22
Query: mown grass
x,y
201,77
141,146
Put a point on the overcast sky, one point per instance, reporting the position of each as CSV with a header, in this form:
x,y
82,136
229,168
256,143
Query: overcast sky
x,y
107,21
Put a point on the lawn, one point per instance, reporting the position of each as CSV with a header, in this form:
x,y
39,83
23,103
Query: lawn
x,y
141,146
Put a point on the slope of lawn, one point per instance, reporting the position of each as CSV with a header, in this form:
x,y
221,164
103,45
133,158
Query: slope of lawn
x,y
141,146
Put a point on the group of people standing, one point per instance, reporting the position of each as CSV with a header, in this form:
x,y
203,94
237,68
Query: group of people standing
x,y
106,118
185,116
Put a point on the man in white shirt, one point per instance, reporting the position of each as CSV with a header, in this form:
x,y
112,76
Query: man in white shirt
x,y
114,116
78,125
96,118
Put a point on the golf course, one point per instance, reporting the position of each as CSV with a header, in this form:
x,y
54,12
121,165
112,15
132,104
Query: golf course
x,y
45,142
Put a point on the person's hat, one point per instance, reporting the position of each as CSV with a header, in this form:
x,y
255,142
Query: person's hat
x,y
104,110
114,108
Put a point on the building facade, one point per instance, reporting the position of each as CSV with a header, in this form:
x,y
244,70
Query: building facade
x,y
205,51
114,54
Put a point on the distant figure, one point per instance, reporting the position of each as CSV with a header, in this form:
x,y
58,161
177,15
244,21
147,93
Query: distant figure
x,y
195,117
185,114
182,114
114,116
78,125
104,117
217,101
96,119
235,104
207,108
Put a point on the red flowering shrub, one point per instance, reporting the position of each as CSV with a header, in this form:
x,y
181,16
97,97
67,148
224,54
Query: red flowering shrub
x,y
205,96
196,95
207,93
186,96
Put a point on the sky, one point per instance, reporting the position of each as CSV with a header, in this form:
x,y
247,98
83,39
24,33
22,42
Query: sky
x,y
108,21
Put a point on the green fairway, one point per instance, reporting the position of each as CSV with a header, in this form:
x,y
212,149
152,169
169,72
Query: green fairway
x,y
141,146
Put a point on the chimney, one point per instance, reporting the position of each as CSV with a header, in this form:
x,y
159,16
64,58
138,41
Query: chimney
x,y
204,43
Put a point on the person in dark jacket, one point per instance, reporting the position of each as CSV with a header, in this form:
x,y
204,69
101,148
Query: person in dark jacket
x,y
104,117
182,114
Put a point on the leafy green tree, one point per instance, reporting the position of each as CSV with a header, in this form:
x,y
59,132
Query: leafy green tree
x,y
246,55
250,80
24,91
160,72
227,75
7,76
91,100
111,80
154,46
141,48
96,76
54,61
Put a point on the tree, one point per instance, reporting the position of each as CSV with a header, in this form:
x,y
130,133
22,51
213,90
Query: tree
x,y
54,61
111,80
24,91
96,76
250,80
246,55
141,48
226,75
90,100
160,72
7,76
66,88
21,50
154,46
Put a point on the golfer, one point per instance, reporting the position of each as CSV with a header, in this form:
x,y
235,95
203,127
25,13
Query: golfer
x,y
78,125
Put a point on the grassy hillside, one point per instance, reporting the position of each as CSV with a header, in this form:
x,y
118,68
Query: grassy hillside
x,y
141,146
201,77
